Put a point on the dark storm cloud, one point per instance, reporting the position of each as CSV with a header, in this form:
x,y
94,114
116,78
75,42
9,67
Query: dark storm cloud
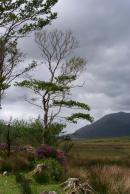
x,y
103,30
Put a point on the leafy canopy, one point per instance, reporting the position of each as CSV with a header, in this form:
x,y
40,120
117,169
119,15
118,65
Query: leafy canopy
x,y
23,16
42,85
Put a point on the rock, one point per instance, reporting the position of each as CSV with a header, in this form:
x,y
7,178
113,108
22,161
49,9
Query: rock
x,y
70,183
5,173
75,186
39,168
49,192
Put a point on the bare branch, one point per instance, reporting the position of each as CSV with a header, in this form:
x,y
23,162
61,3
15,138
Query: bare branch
x,y
33,103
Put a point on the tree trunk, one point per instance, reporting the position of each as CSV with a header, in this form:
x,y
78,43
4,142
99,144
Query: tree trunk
x,y
8,141
0,99
46,108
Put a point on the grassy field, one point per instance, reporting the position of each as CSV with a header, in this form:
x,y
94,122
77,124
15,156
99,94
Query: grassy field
x,y
8,185
101,148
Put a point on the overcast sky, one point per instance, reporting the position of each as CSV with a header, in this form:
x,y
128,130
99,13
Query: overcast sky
x,y
102,28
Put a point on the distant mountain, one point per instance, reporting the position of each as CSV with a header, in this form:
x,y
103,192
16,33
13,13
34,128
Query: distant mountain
x,y
112,125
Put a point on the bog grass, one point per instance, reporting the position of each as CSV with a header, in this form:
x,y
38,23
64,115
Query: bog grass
x,y
110,180
114,148
104,163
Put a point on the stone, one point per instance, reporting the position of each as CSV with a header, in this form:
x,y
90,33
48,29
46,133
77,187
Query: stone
x,y
75,186
5,173
39,168
49,192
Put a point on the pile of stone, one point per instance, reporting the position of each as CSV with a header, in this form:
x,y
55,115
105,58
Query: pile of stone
x,y
48,192
75,186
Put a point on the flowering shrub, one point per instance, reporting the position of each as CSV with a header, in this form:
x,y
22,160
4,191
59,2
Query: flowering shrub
x,y
60,156
3,149
45,151
48,151
3,146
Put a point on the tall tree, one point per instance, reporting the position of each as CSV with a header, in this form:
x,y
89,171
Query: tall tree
x,y
17,19
54,95
10,58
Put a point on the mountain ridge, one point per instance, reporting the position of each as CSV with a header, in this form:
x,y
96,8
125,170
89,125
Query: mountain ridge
x,y
111,125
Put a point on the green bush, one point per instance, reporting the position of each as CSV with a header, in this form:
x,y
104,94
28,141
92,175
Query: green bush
x,y
22,132
52,133
21,164
5,165
53,172
67,146
42,177
15,164
55,168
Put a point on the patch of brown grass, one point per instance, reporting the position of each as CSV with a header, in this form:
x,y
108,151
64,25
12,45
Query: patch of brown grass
x,y
83,161
105,175
110,180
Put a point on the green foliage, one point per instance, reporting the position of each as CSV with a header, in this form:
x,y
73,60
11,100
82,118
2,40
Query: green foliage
x,y
15,164
16,14
42,85
72,104
75,66
42,177
76,116
5,165
29,132
52,172
22,132
55,168
67,146
3,85
10,57
64,78
17,19
51,134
